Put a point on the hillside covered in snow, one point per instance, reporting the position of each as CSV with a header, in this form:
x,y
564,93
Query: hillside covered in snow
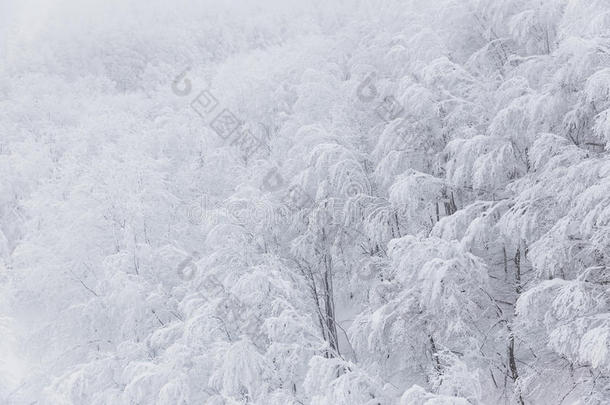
x,y
305,202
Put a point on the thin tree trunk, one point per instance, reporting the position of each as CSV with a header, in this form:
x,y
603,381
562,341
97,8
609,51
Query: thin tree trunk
x,y
329,304
435,359
518,271
512,363
514,374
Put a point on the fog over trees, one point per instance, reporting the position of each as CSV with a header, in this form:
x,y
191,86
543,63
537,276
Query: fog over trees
x,y
305,202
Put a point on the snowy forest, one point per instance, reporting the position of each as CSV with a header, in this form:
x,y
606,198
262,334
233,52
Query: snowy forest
x,y
325,202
